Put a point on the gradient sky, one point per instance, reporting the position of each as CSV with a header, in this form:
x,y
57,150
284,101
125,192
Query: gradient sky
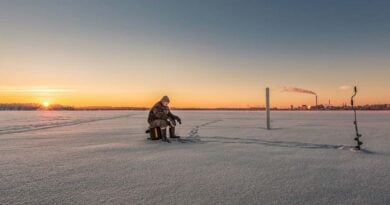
x,y
200,53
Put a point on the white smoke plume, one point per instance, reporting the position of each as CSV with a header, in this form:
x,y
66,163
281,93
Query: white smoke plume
x,y
297,90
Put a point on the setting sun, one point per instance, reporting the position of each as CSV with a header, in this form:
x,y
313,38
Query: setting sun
x,y
46,104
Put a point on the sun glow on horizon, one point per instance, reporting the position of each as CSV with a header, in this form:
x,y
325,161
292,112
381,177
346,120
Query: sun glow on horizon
x,y
46,104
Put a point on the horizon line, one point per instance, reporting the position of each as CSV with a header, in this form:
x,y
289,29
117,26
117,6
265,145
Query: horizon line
x,y
40,106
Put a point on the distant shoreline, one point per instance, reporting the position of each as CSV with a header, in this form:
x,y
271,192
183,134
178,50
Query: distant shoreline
x,y
214,110
56,107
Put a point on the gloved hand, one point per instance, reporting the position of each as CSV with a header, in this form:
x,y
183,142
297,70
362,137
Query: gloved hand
x,y
171,122
178,119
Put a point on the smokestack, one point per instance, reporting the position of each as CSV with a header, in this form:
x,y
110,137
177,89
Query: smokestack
x,y
316,103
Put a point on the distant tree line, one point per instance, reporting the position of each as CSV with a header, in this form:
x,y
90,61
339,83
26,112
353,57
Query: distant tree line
x,y
33,106
36,106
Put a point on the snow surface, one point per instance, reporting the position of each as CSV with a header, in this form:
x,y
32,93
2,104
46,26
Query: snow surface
x,y
103,157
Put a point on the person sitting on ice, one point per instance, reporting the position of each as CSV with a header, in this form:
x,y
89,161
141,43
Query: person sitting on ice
x,y
160,117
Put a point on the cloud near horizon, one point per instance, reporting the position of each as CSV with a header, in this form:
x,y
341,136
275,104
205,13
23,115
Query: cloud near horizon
x,y
345,87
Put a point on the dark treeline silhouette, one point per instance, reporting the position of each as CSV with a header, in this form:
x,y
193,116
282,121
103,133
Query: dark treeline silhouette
x,y
36,106
33,106
20,106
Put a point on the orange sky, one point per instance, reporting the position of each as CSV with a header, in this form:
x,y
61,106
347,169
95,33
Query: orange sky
x,y
211,80
207,99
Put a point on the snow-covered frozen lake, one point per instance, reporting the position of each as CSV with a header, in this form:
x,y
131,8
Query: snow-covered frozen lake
x,y
103,157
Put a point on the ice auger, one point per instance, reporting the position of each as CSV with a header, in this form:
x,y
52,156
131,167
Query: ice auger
x,y
358,135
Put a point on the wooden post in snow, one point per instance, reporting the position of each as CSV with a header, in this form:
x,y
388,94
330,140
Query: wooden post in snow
x,y
267,108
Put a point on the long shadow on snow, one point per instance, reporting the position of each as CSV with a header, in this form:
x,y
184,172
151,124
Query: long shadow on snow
x,y
276,143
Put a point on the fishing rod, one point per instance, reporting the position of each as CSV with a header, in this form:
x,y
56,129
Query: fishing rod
x,y
358,135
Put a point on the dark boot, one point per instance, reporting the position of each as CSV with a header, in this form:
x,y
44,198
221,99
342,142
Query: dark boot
x,y
155,133
164,135
172,133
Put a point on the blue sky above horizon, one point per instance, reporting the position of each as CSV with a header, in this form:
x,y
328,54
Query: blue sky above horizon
x,y
204,53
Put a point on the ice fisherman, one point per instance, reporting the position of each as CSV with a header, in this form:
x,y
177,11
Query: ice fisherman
x,y
160,118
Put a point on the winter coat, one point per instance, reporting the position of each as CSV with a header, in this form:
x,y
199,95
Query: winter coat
x,y
160,112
